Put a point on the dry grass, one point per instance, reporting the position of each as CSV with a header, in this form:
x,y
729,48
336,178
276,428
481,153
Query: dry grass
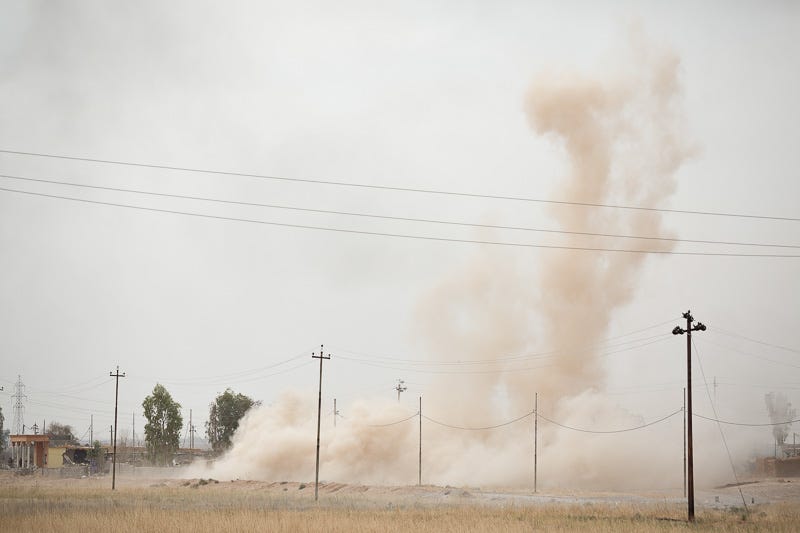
x,y
191,506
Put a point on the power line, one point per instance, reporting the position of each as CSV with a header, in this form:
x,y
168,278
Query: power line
x,y
733,334
615,430
782,363
395,218
728,422
719,426
393,423
392,188
539,355
526,415
397,235
485,371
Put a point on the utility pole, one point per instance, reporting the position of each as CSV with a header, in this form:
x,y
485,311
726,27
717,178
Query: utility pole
x,y
116,401
400,388
535,439
420,441
335,412
19,408
91,430
690,459
191,431
684,442
715,389
321,357
133,438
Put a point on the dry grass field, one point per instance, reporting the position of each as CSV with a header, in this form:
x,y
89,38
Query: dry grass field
x,y
88,505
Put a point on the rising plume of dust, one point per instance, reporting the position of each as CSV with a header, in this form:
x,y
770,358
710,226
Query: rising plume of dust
x,y
621,134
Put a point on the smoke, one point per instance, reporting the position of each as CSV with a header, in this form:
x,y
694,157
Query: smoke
x,y
621,132
780,410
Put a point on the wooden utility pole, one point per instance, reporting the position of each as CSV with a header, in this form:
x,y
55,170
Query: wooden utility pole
x,y
116,401
321,357
684,442
689,457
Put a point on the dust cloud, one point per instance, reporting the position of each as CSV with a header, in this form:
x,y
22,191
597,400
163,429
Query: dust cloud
x,y
621,133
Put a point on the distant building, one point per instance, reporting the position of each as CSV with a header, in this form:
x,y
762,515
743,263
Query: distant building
x,y
29,451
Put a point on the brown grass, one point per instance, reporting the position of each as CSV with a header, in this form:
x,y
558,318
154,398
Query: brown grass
x,y
212,507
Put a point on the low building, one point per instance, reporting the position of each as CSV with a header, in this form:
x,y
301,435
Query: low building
x,y
29,451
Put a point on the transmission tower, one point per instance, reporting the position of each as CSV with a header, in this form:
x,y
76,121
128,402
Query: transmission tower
x,y
19,409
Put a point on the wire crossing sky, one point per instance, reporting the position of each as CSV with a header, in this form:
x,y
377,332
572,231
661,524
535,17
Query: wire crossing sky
x,y
489,204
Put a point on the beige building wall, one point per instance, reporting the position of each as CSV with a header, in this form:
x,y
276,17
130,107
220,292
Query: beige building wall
x,y
54,456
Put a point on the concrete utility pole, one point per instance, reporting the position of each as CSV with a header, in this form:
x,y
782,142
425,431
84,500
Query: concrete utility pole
x,y
400,388
420,441
116,401
335,412
535,438
321,357
191,431
690,459
684,442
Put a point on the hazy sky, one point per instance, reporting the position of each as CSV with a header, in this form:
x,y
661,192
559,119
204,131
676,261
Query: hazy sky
x,y
407,94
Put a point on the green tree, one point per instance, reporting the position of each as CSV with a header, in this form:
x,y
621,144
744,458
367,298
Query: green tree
x,y
164,422
224,416
61,434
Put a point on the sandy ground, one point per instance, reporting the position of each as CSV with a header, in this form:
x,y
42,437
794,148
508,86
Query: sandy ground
x,y
296,494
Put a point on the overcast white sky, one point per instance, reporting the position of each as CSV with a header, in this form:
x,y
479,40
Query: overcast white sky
x,y
407,94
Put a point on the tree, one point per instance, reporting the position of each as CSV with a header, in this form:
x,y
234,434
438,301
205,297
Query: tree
x,y
164,422
224,416
61,434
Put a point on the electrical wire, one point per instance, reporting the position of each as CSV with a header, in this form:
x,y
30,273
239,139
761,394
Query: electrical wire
x,y
736,335
782,363
395,218
788,422
225,381
719,426
234,376
391,188
615,430
539,355
485,371
398,235
526,415
392,423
